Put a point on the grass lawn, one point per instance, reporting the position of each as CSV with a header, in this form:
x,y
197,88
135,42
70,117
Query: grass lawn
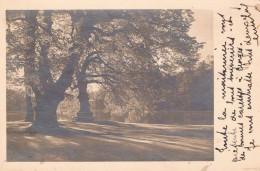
x,y
111,141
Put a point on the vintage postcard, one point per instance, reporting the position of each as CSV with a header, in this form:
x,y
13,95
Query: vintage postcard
x,y
158,85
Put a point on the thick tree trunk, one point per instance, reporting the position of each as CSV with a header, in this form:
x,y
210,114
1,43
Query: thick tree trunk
x,y
48,94
30,61
29,108
84,114
46,110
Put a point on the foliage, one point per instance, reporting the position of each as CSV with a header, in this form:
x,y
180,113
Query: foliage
x,y
190,90
15,100
133,54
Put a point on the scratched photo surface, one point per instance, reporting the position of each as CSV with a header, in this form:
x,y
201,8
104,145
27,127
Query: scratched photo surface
x,y
109,85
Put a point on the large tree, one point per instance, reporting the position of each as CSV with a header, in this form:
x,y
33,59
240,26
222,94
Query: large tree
x,y
40,64
135,43
63,50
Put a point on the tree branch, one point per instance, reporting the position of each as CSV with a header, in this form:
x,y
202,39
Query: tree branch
x,y
87,61
106,34
102,61
44,67
94,81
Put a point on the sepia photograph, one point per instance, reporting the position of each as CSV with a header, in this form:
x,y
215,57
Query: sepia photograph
x,y
109,85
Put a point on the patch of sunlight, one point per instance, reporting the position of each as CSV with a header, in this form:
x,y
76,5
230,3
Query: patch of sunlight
x,y
177,147
181,146
87,130
173,127
33,145
184,144
193,140
62,120
104,139
98,125
134,140
73,143
190,145
17,122
30,138
54,140
203,144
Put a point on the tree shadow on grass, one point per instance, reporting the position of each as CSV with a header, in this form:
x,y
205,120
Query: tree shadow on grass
x,y
80,142
103,128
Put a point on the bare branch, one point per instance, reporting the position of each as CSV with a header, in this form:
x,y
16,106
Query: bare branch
x,y
87,61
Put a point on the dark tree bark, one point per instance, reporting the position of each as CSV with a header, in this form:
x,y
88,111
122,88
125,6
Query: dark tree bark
x,y
48,101
29,61
48,94
46,110
29,108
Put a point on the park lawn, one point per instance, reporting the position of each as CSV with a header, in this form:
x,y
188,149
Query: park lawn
x,y
111,141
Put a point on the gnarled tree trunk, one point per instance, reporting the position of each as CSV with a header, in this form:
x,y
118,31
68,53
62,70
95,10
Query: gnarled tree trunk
x,y
46,111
